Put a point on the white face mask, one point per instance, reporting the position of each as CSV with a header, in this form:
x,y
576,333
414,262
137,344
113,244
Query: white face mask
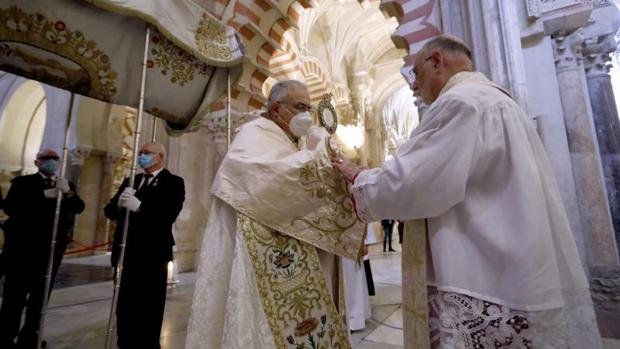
x,y
300,124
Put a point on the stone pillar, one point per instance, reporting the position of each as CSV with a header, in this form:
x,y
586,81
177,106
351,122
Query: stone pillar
x,y
605,278
362,109
583,147
198,169
77,157
605,115
374,143
104,229
82,226
491,29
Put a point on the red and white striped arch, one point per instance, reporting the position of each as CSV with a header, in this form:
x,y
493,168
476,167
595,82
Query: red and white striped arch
x,y
419,21
316,77
263,25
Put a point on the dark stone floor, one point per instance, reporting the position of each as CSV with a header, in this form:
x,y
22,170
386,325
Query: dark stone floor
x,y
71,274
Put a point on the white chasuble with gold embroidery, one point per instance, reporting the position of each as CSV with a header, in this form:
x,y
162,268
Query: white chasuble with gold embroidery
x,y
487,232
260,279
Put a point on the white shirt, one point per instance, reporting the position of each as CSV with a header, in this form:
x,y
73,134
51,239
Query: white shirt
x,y
476,170
147,180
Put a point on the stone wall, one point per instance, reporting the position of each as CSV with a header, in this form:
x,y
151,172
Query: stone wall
x,y
605,286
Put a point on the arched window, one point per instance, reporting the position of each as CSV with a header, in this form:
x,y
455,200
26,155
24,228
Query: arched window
x,y
22,123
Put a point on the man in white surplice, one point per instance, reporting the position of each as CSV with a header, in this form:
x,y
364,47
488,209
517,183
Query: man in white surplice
x,y
489,260
268,276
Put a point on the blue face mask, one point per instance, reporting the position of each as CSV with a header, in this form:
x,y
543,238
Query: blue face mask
x,y
145,160
49,167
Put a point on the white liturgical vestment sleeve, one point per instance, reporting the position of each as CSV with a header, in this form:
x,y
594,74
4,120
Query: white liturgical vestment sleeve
x,y
476,170
262,282
295,192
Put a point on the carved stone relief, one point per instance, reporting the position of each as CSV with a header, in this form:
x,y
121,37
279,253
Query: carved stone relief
x,y
568,49
597,54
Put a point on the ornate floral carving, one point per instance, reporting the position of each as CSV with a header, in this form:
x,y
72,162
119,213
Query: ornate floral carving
x,y
533,8
97,79
597,52
568,49
174,61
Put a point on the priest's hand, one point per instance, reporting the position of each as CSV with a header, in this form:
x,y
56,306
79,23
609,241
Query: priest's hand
x,y
348,169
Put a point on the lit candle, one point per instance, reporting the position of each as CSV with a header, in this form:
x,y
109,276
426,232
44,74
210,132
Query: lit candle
x,y
171,273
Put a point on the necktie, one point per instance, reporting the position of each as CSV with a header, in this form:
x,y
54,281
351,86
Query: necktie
x,y
145,181
49,182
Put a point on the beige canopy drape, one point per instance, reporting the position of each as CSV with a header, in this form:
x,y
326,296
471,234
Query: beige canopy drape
x,y
95,48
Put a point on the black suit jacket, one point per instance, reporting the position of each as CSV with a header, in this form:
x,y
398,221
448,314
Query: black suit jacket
x,y
149,238
28,230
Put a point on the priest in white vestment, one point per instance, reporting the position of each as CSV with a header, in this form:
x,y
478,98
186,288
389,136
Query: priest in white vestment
x,y
268,276
356,298
489,260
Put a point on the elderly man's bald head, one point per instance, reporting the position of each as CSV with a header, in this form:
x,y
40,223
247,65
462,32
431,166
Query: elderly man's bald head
x,y
447,43
155,151
47,153
436,62
154,148
47,161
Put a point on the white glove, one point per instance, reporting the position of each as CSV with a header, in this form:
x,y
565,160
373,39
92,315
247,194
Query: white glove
x,y
128,200
51,193
63,185
315,136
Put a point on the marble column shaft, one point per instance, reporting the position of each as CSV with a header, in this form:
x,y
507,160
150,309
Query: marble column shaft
x,y
607,125
583,147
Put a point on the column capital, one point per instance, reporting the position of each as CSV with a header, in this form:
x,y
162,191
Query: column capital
x,y
78,154
597,51
567,49
110,160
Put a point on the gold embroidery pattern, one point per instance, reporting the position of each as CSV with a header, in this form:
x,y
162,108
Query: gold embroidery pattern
x,y
335,223
17,26
320,181
211,39
293,290
415,299
171,59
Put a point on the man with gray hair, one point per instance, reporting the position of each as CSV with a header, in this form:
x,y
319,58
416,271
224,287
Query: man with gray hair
x,y
489,260
268,276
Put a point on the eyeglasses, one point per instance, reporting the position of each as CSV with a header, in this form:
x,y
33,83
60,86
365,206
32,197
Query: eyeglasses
x,y
300,106
48,157
414,70
147,152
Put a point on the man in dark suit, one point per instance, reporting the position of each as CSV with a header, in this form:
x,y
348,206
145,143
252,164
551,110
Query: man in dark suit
x,y
154,202
30,205
2,264
388,225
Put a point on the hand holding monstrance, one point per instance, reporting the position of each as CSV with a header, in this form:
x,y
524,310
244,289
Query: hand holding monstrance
x,y
329,120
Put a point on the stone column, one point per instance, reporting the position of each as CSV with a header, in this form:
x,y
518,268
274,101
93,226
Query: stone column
x,y
75,164
491,29
605,278
77,157
583,147
104,229
605,115
198,169
362,109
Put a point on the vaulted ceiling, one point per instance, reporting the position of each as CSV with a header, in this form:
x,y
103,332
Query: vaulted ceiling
x,y
326,43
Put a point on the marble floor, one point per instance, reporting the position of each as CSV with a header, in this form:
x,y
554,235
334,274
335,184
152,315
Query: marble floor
x,y
78,314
